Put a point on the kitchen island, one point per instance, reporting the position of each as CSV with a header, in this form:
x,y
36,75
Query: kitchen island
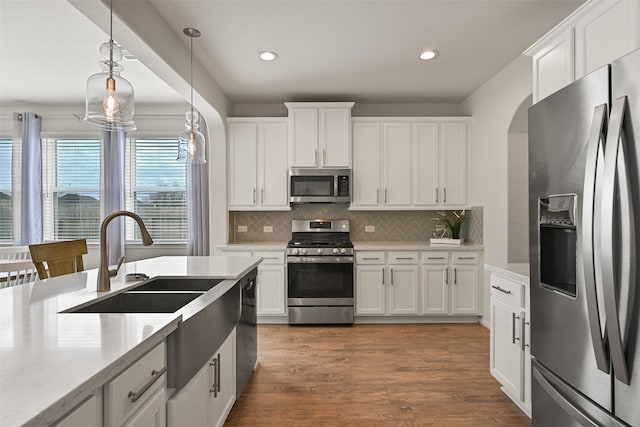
x,y
51,361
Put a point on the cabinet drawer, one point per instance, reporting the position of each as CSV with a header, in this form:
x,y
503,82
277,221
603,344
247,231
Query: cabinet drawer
x,y
464,257
143,378
270,257
435,257
403,257
228,252
370,258
507,290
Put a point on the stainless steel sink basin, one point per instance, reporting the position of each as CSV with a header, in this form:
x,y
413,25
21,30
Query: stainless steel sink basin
x,y
140,302
181,284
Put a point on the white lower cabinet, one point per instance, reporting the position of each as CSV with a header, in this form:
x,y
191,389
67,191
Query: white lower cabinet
x,y
443,283
271,295
510,357
208,397
450,283
137,396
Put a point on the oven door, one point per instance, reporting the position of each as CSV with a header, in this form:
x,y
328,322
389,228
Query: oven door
x,y
326,280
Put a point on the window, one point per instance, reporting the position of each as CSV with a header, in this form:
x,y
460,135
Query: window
x,y
157,189
72,200
6,221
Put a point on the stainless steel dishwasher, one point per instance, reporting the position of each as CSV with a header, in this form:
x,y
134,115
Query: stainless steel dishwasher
x,y
246,332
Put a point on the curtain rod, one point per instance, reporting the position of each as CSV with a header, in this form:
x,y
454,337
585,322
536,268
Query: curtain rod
x,y
79,117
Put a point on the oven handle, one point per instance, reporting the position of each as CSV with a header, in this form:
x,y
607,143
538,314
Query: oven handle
x,y
319,260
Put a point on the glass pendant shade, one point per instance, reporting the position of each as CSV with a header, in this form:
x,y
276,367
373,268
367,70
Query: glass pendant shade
x,y
109,99
191,140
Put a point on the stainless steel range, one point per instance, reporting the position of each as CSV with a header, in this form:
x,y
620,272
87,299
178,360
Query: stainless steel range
x,y
320,272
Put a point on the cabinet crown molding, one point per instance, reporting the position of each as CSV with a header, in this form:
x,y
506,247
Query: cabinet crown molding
x,y
319,104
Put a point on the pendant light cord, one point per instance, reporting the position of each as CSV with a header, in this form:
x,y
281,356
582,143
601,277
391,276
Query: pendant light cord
x,y
111,39
191,77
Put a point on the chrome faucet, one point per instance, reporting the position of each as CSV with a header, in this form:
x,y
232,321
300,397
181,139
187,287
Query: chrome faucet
x,y
104,274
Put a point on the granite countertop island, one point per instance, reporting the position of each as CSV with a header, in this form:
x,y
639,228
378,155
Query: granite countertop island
x,y
49,361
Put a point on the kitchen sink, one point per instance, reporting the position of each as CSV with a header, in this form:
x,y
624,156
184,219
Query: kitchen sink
x,y
140,302
177,284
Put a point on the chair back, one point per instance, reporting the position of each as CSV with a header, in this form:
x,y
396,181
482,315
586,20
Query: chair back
x,y
16,267
58,258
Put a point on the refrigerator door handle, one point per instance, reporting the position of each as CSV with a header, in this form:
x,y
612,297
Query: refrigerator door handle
x,y
559,396
590,250
623,280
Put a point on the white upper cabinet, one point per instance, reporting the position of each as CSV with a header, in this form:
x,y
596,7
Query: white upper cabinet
x,y
409,163
320,134
258,169
597,33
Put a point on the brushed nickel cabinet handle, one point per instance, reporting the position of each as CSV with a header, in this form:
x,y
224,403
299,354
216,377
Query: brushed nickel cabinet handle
x,y
262,196
214,387
435,257
444,190
436,195
392,276
455,276
254,196
136,395
498,288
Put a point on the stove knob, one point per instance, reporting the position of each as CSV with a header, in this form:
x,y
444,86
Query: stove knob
x,y
320,250
343,251
303,251
335,250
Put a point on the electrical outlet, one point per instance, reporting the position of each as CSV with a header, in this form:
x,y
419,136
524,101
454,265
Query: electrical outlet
x,y
369,228
267,229
242,229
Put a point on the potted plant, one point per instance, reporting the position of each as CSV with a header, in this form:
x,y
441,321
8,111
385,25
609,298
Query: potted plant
x,y
453,221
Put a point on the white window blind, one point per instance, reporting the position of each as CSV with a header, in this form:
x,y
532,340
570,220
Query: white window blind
x,y
6,220
157,189
72,195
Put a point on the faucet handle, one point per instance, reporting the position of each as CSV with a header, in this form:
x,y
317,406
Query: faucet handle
x,y
114,272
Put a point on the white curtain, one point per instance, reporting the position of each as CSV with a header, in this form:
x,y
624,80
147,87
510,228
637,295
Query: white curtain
x,y
198,203
112,183
27,179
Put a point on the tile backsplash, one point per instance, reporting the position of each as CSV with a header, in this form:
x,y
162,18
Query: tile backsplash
x,y
388,225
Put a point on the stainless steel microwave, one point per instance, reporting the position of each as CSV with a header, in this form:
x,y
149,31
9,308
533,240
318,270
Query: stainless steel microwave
x,y
319,185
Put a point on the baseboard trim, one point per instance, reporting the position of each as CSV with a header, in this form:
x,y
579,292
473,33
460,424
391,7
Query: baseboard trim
x,y
416,319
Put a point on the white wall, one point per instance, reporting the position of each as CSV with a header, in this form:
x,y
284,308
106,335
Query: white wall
x,y
518,198
493,107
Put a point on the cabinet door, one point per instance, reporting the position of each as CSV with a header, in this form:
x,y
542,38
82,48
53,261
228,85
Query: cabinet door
x,y
271,290
273,165
335,137
553,66
425,164
88,414
225,377
189,407
397,164
435,289
606,33
243,142
506,356
153,413
464,292
370,289
366,164
403,289
303,145
452,163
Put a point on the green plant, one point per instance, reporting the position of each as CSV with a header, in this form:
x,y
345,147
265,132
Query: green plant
x,y
454,221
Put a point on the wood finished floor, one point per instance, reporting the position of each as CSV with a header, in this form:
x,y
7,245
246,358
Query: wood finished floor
x,y
374,375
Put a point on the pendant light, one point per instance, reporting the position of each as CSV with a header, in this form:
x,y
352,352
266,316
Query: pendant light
x,y
109,96
192,141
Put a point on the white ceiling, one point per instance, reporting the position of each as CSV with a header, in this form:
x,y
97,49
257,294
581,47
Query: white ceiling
x,y
358,50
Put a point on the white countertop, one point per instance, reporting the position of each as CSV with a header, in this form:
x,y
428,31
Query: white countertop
x,y
513,271
413,246
50,361
253,246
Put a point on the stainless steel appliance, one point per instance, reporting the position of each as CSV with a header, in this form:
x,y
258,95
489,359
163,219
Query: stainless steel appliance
x,y
320,185
584,210
320,272
246,332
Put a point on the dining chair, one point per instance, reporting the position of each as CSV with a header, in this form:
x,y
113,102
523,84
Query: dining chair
x,y
58,258
16,267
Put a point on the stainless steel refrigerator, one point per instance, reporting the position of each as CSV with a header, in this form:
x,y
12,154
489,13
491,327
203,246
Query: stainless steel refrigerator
x,y
584,213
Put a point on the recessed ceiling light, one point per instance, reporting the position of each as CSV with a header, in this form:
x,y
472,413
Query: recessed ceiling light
x,y
266,55
429,54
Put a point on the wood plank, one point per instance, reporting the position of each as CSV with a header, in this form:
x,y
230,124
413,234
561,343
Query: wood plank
x,y
366,375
